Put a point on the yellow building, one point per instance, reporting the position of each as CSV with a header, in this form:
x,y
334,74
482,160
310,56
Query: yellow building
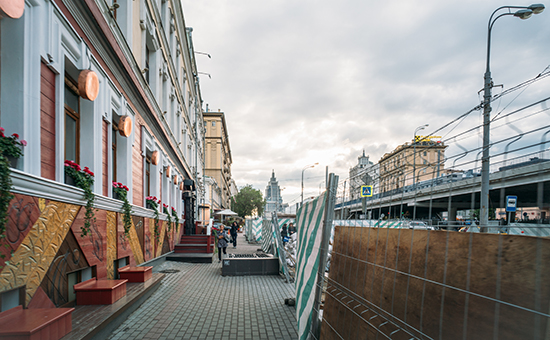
x,y
218,154
423,160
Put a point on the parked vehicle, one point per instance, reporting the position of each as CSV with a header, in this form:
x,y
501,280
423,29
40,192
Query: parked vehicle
x,y
420,225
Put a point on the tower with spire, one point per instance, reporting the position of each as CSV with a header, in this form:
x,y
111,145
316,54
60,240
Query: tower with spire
x,y
273,199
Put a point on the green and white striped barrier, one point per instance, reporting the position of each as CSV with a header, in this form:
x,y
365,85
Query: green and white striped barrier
x,y
309,220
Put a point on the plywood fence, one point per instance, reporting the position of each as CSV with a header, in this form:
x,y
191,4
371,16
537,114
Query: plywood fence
x,y
405,284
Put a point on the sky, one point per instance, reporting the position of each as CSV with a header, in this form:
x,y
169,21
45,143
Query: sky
x,y
304,82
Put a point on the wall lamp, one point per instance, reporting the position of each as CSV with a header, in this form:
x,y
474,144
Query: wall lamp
x,y
206,54
208,74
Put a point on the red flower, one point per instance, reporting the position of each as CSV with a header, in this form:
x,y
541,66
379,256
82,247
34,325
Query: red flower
x,y
16,135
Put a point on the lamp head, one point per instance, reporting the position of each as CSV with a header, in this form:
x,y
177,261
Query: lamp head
x,y
523,14
536,8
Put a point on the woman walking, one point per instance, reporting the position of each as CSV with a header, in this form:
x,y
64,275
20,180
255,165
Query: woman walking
x,y
222,242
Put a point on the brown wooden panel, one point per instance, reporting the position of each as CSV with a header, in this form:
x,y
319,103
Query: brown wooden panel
x,y
47,106
47,74
137,169
105,164
47,88
47,123
435,298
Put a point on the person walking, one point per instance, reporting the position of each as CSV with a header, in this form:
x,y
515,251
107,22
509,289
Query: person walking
x,y
234,229
222,242
284,234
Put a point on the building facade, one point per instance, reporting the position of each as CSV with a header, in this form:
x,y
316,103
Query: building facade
x,y
111,86
218,154
411,163
364,173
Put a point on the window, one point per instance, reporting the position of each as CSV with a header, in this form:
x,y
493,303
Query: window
x,y
12,298
121,263
147,176
425,153
213,123
77,277
147,55
72,121
114,132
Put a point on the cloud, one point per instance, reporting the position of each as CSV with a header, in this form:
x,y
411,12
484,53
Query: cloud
x,y
320,81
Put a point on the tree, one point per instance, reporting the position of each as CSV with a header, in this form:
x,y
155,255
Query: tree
x,y
249,201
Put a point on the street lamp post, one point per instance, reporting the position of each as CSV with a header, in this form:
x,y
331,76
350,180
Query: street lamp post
x,y
304,169
522,13
414,165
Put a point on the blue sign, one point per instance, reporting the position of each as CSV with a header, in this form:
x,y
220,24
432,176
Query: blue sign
x,y
511,203
366,191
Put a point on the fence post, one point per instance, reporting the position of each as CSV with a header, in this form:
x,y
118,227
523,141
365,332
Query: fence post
x,y
323,253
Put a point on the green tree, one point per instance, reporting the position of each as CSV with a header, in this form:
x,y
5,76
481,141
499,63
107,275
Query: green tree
x,y
249,201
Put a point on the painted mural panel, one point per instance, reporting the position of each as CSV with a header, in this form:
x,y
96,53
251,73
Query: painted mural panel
x,y
133,240
111,244
68,259
33,257
93,245
160,241
22,215
149,223
123,244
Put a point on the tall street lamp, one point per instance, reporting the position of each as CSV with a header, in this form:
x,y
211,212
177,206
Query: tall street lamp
x,y
304,169
522,13
414,165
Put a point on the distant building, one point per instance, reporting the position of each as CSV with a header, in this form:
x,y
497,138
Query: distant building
x,y
274,201
218,154
398,169
364,173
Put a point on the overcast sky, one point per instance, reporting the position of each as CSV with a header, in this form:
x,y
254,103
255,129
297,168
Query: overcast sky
x,y
320,81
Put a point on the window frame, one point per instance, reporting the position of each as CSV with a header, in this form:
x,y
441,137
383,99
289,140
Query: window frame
x,y
68,111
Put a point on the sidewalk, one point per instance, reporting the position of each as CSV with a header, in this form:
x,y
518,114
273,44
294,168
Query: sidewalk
x,y
196,302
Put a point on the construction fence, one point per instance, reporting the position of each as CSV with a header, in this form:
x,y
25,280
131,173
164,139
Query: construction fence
x,y
421,284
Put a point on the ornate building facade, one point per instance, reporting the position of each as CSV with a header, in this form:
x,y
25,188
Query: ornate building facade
x,y
411,163
111,86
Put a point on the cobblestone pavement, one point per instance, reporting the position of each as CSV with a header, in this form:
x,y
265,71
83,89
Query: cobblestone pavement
x,y
196,302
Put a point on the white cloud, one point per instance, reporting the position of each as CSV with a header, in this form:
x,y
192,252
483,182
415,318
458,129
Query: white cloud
x,y
320,81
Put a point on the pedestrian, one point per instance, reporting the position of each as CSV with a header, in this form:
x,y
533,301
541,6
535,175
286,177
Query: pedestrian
x,y
222,242
284,234
291,229
234,229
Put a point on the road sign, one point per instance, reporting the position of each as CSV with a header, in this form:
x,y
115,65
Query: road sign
x,y
366,191
511,203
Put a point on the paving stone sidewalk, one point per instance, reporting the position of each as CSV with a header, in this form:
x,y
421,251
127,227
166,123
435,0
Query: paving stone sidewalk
x,y
196,302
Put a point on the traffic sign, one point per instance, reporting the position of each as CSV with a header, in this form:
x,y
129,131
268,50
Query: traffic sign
x,y
511,203
366,191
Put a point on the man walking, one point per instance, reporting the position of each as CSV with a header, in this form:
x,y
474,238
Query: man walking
x,y
234,228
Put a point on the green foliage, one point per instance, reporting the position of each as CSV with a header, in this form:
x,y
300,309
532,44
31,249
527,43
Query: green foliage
x,y
249,201
5,194
153,203
84,179
122,192
167,212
